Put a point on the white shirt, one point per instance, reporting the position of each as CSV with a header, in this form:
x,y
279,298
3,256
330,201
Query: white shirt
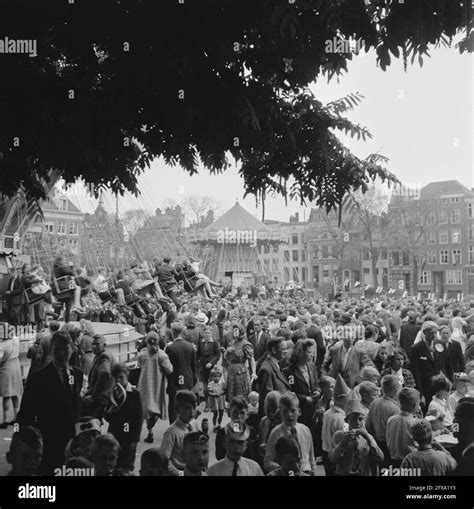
x,y
224,468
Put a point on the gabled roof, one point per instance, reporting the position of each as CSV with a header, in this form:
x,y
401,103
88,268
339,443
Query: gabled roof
x,y
50,205
437,189
237,218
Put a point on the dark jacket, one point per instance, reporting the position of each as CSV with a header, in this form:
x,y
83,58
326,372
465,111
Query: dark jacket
x,y
270,378
131,413
260,347
15,297
166,277
303,390
183,358
408,334
207,351
100,376
53,408
192,335
455,356
424,366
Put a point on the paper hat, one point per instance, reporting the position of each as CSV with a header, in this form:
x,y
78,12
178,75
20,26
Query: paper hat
x,y
201,318
87,424
341,389
237,431
354,407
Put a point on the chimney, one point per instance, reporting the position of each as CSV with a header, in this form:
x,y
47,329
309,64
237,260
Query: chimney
x,y
297,217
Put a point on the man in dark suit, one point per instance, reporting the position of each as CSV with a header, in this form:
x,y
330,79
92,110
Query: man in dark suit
x,y
52,403
259,340
314,332
454,349
426,362
408,332
15,299
100,378
182,356
463,452
270,377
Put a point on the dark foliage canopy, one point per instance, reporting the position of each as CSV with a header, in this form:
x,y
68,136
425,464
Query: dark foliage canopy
x,y
117,83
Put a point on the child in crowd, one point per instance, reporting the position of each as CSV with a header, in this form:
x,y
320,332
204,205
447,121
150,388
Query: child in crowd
x,y
216,398
462,389
439,404
125,416
87,429
196,454
172,444
26,451
153,463
253,410
238,412
431,458
288,457
290,411
271,418
105,451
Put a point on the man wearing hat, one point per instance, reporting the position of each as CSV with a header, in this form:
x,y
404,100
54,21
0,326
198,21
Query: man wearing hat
x,y
426,362
355,452
234,464
195,454
334,420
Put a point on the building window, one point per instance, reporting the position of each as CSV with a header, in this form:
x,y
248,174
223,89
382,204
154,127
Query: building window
x,y
396,257
455,199
303,255
294,238
443,217
444,256
366,270
73,229
454,277
471,255
62,204
443,237
303,274
74,245
424,277
456,236
286,256
295,256
286,272
366,254
62,228
275,248
456,256
455,216
48,227
296,274
431,238
469,211
383,253
470,233
431,219
405,258
62,243
325,273
431,257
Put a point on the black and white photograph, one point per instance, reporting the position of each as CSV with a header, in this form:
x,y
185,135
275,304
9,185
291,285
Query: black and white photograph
x,y
236,240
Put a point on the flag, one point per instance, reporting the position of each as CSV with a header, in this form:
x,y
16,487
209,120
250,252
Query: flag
x,y
418,297
445,296
346,282
356,284
405,293
366,287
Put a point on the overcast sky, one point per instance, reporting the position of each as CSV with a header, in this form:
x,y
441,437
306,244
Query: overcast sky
x,y
421,120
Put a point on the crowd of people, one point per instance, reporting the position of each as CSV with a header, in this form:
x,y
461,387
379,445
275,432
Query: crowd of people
x,y
281,384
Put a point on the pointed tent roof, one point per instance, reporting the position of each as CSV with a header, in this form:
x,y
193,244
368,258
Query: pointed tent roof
x,y
237,218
